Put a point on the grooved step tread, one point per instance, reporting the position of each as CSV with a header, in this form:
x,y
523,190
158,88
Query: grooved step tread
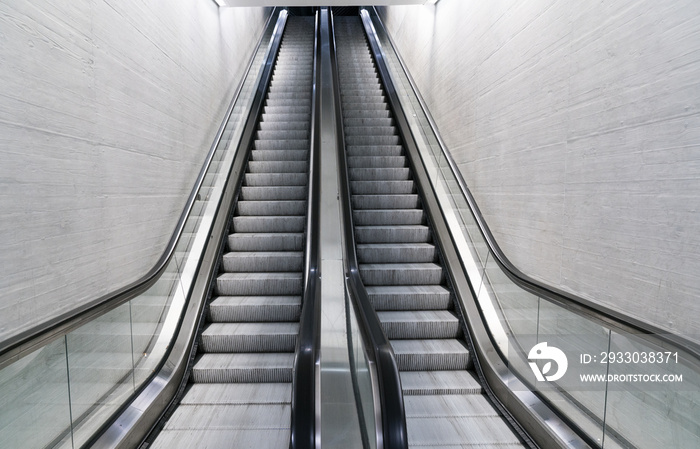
x,y
255,308
250,337
464,431
271,261
229,416
401,273
243,284
424,355
242,393
392,234
262,241
243,367
439,382
409,297
396,252
412,324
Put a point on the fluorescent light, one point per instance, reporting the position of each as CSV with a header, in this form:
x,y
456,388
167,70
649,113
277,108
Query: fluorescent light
x,y
431,2
220,3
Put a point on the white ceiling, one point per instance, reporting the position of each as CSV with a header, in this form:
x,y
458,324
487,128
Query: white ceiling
x,y
319,2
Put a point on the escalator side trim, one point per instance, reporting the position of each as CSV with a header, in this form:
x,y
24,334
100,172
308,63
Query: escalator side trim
x,y
304,426
394,433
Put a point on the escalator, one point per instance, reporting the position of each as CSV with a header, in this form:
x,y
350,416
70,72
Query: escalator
x,y
426,351
241,383
400,267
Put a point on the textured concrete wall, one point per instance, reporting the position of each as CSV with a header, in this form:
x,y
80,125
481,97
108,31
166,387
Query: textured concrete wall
x,y
107,110
577,127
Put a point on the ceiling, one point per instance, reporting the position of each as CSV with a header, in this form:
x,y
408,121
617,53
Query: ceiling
x,y
319,2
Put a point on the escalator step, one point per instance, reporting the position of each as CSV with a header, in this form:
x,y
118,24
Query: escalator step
x,y
259,193
275,179
388,217
277,167
279,155
379,174
242,393
372,140
258,261
245,367
409,297
376,161
260,241
406,201
374,150
392,234
242,284
437,355
286,224
401,274
396,253
255,308
249,337
419,324
382,187
271,208
439,382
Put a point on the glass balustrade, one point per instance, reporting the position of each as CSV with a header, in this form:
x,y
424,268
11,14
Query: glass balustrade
x,y
621,387
364,377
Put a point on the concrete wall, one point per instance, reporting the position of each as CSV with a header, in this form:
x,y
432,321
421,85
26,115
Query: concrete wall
x,y
107,110
577,127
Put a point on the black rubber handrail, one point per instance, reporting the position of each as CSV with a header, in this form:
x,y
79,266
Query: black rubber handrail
x,y
303,427
62,324
592,310
380,352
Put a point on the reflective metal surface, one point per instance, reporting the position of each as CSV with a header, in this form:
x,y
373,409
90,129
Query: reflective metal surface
x,y
340,427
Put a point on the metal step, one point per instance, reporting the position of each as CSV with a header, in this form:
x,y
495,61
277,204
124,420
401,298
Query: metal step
x,y
401,274
406,201
284,224
261,193
242,284
419,324
439,382
249,337
392,234
255,309
409,297
430,355
396,252
388,217
257,261
260,241
376,161
271,207
246,367
382,187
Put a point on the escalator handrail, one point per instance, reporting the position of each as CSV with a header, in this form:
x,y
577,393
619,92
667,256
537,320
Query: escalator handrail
x,y
303,426
577,304
58,326
394,434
